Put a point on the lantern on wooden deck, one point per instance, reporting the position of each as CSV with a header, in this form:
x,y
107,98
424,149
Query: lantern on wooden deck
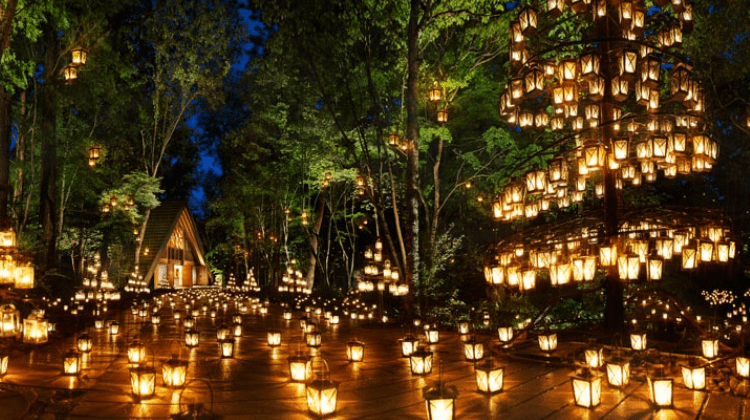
x,y
222,333
227,348
8,239
191,338
273,338
710,347
489,378
177,315
236,319
189,322
136,352
547,342
742,366
35,330
432,336
420,362
505,334
355,351
84,343
694,375
298,367
142,382
463,327
334,320
313,339
174,372
587,388
638,340
114,328
441,401
287,315
409,345
618,372
10,321
71,363
155,319
473,350
594,356
660,387
322,393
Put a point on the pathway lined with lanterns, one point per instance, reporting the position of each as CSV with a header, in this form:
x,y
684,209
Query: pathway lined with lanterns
x,y
255,382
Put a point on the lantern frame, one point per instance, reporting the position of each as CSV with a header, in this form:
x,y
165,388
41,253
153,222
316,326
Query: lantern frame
x,y
440,401
587,388
420,362
489,378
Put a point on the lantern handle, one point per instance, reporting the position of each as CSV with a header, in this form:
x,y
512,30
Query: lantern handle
x,y
179,348
210,391
325,371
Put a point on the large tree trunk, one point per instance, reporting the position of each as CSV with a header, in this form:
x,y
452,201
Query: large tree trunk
x,y
314,235
412,157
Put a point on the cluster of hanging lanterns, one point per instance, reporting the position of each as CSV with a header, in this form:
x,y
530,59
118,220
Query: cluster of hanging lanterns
x,y
78,59
651,128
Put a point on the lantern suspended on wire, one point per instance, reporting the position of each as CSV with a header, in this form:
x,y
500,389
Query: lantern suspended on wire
x,y
78,56
587,388
435,93
70,73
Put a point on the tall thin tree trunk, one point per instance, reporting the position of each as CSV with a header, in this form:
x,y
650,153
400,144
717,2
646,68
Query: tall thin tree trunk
x,y
314,235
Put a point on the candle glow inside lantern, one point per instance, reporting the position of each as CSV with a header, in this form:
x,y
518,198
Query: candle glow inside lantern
x,y
313,339
237,330
409,345
222,333
694,376
189,322
420,362
10,321
463,327
191,338
710,347
273,338
174,372
489,378
142,382
432,335
742,366
298,367
547,342
638,341
227,348
618,372
505,334
587,388
441,401
660,387
114,328
355,351
35,330
322,395
594,356
71,363
473,350
84,343
136,352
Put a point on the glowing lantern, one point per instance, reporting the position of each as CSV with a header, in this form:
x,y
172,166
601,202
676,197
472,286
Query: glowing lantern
x,y
189,322
442,115
24,277
273,338
84,343
587,388
618,372
435,93
3,363
7,270
313,339
35,330
155,319
222,333
505,334
136,352
71,363
287,315
174,372
594,356
710,347
660,387
191,338
142,382
473,350
655,265
322,394
114,328
742,366
8,239
78,56
489,378
638,341
355,351
608,255
298,367
10,321
409,345
420,362
432,335
693,376
227,348
547,342
463,327
441,401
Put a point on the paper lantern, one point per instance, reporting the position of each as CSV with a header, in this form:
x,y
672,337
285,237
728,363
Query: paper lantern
x,y
618,372
71,363
420,362
710,347
355,351
78,56
587,389
441,401
489,378
409,345
174,372
432,336
142,382
24,277
638,341
547,342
